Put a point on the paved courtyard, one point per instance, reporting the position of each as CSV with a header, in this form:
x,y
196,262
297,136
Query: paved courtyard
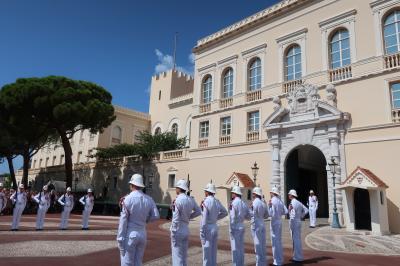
x,y
98,246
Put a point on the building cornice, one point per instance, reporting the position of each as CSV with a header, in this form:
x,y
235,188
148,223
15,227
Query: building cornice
x,y
130,112
254,49
276,10
339,17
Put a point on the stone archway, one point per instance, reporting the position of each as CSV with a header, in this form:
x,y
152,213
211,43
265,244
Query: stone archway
x,y
307,120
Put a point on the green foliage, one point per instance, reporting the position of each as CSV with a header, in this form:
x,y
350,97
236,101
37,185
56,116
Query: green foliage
x,y
147,147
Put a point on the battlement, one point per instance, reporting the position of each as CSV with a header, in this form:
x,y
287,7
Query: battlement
x,y
175,74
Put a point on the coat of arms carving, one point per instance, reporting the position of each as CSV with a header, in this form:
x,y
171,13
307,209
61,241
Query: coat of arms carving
x,y
303,98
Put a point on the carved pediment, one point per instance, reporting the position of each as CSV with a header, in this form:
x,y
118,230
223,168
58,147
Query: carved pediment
x,y
304,104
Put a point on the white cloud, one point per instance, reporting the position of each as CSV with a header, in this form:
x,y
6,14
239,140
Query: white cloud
x,y
166,62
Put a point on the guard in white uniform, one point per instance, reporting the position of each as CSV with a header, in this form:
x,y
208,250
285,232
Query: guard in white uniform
x,y
212,211
238,212
312,207
297,211
67,203
43,201
276,209
18,199
3,199
88,202
259,212
137,210
183,208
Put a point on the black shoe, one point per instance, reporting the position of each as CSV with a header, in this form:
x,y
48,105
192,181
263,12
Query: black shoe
x,y
296,261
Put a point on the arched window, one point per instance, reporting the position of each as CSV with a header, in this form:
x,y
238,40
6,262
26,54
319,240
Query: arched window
x,y
391,32
206,89
339,47
254,74
116,136
227,83
293,63
174,128
157,131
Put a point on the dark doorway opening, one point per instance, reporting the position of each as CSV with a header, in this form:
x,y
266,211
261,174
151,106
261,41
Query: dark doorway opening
x,y
305,170
362,209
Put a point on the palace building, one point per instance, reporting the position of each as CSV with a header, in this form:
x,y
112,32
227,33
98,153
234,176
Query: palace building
x,y
309,90
293,87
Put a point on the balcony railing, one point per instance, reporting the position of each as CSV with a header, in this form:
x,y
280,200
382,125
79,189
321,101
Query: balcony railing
x,y
392,61
342,73
252,96
396,115
227,102
203,143
170,155
205,107
224,140
253,136
290,85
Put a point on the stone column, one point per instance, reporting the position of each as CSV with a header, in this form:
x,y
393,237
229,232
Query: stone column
x,y
276,161
335,154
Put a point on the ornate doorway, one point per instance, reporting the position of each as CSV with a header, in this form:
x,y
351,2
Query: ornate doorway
x,y
308,125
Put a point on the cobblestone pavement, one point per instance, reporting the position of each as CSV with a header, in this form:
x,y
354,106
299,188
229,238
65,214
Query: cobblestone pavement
x,y
97,247
340,240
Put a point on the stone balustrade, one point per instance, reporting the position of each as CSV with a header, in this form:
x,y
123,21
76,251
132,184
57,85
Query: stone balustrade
x,y
288,86
205,107
391,61
253,136
224,140
227,102
338,74
203,143
252,96
396,115
171,155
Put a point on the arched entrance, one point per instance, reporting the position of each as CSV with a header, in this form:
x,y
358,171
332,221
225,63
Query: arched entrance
x,y
362,209
305,169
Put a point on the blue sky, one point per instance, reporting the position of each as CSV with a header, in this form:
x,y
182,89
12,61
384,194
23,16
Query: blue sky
x,y
118,44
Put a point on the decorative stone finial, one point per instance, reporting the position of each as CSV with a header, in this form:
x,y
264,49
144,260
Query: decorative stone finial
x,y
277,102
331,94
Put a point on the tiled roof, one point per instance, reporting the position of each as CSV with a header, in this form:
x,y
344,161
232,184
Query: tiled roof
x,y
369,174
243,178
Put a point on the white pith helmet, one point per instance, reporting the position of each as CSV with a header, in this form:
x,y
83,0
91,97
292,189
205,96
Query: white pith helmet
x,y
45,187
311,191
182,184
137,180
1,184
293,193
210,188
90,190
257,191
21,186
236,190
275,190
68,189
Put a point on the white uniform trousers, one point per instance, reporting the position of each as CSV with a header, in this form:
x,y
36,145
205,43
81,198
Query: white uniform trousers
x,y
17,213
237,245
259,239
210,245
85,217
65,217
179,245
313,215
135,245
41,214
295,232
276,242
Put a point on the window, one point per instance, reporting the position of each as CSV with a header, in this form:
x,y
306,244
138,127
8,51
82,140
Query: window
x,y
90,153
91,136
171,180
54,160
204,129
157,131
226,126
395,92
293,63
206,89
340,49
81,136
116,135
40,163
174,128
62,159
47,162
253,121
391,32
159,95
34,164
254,74
227,83
78,158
